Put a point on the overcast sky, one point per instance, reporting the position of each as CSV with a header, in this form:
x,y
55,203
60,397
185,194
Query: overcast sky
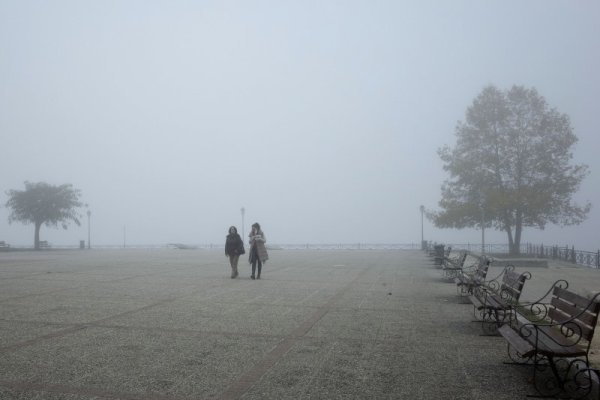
x,y
321,118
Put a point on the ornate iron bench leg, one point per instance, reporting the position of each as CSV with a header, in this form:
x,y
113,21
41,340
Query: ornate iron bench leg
x,y
569,379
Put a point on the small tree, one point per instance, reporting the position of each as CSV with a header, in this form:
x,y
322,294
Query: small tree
x,y
510,167
41,203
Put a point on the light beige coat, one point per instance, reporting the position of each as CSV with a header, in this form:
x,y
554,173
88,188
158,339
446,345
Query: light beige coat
x,y
259,239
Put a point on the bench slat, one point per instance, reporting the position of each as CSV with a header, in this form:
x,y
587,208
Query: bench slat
x,y
586,332
586,317
552,342
579,301
589,317
522,346
549,341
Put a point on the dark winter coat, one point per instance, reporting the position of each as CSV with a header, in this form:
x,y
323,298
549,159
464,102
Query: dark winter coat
x,y
234,245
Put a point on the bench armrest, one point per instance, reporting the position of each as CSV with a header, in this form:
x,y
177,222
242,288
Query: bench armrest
x,y
496,282
565,333
538,309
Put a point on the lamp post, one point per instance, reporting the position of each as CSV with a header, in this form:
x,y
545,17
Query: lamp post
x,y
243,210
89,214
422,208
482,229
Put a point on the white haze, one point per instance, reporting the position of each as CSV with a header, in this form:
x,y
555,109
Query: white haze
x,y
321,118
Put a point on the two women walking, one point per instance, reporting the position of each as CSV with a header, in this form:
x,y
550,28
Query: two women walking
x,y
234,247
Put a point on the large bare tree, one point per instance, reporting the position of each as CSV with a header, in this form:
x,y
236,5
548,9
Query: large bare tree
x,y
511,167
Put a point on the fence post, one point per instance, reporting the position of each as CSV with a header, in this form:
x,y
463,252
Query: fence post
x,y
598,259
573,258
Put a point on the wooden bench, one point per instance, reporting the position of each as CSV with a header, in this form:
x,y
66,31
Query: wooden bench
x,y
439,252
557,346
44,244
468,278
4,245
452,266
496,307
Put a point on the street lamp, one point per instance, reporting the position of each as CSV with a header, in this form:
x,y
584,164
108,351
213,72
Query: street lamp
x,y
243,210
422,208
482,228
89,214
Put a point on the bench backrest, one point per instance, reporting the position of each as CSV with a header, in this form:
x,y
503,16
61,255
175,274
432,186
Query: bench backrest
x,y
512,285
569,306
458,261
462,258
482,269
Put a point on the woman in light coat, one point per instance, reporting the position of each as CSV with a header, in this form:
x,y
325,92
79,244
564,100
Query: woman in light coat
x,y
258,251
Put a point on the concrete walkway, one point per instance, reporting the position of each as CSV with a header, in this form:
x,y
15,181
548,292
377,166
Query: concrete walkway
x,y
171,324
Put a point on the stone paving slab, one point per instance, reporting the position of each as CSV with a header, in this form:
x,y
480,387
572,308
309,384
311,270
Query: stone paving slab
x,y
172,325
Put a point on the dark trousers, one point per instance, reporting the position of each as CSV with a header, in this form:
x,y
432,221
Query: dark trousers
x,y
254,260
254,265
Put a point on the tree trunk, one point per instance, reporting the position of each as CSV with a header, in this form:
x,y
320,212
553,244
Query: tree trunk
x,y
518,230
511,243
36,239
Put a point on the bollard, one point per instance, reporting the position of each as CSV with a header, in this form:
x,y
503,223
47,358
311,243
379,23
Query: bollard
x,y
82,244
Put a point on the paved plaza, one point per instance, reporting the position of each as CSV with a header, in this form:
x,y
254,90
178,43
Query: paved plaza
x,y
170,324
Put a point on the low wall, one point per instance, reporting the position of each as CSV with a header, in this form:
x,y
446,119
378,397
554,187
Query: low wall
x,y
521,262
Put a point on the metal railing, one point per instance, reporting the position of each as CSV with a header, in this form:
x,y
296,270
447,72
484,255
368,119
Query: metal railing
x,y
488,248
563,253
349,246
275,246
589,258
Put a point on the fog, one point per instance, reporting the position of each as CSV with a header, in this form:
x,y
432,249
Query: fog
x,y
321,118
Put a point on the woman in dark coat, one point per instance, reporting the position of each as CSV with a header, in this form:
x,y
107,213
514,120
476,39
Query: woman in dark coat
x,y
234,247
258,250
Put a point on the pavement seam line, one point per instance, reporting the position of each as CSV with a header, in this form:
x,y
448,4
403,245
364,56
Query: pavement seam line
x,y
80,326
66,389
247,380
74,328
